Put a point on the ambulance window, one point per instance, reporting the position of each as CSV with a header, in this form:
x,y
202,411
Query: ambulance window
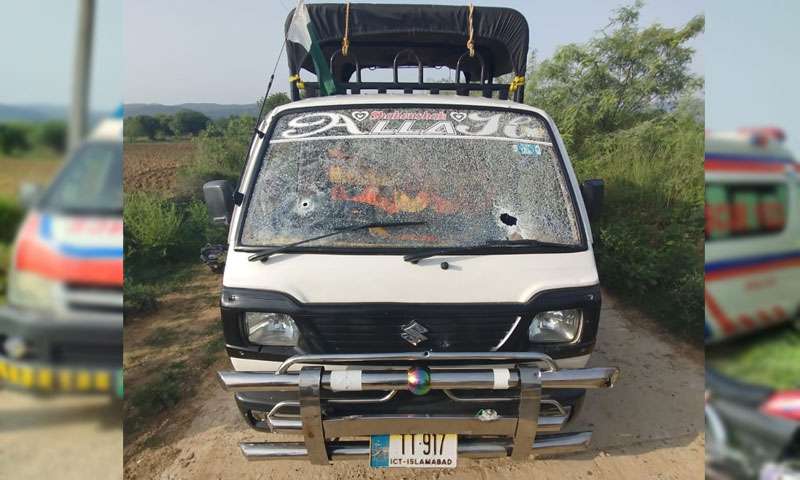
x,y
737,210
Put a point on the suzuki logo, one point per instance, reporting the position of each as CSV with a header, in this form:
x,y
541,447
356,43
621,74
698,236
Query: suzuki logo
x,y
414,333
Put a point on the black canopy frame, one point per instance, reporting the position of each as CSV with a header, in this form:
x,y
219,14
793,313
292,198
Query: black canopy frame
x,y
421,36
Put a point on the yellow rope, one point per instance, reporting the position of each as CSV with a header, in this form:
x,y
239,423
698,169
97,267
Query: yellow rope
x,y
516,82
296,79
346,39
471,32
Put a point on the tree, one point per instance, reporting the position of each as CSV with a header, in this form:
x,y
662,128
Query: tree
x,y
188,122
52,134
623,76
275,100
164,130
140,126
13,138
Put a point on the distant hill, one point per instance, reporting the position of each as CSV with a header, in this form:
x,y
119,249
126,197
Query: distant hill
x,y
211,110
31,113
40,113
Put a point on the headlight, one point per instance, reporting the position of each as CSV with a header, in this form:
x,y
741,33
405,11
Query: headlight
x,y
31,290
555,326
15,347
271,329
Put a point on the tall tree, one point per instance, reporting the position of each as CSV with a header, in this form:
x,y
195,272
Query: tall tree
x,y
622,76
275,100
189,122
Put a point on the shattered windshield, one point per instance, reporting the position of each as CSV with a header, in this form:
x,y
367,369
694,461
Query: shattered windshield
x,y
472,175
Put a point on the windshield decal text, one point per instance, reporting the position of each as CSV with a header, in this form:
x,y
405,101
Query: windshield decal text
x,y
414,123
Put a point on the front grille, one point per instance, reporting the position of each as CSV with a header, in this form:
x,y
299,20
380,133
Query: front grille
x,y
87,354
382,333
94,298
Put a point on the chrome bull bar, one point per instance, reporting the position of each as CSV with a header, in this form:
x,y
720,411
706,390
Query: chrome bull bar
x,y
520,375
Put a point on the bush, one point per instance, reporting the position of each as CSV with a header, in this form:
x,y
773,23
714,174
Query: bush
x,y
5,262
161,237
14,138
161,231
650,235
139,298
199,226
220,155
53,135
152,226
11,216
161,393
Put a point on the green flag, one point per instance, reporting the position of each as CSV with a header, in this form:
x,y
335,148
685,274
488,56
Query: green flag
x,y
301,31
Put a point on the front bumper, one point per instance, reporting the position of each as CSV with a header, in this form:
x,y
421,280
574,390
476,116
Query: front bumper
x,y
329,405
63,354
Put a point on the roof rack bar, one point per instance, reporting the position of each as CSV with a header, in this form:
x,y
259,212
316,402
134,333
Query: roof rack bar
x,y
395,66
487,93
337,53
483,67
434,88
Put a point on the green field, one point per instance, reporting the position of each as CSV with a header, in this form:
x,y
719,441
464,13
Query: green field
x,y
36,168
770,358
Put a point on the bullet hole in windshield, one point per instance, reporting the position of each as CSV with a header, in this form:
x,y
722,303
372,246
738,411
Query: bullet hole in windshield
x,y
508,219
305,207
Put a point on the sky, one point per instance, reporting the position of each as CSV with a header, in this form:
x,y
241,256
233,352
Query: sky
x,y
754,66
37,38
223,52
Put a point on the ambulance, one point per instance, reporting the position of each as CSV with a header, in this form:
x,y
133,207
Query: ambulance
x,y
61,329
752,249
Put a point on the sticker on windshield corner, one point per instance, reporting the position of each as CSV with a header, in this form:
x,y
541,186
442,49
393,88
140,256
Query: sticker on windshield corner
x,y
528,149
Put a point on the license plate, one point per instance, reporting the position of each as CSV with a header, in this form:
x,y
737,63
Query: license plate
x,y
417,450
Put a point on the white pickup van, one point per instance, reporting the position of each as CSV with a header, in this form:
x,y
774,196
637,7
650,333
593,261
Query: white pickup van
x,y
752,232
414,270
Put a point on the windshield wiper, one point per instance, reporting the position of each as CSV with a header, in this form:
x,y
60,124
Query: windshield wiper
x,y
525,242
531,242
264,255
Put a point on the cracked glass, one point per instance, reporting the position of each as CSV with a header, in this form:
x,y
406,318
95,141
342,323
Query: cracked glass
x,y
472,175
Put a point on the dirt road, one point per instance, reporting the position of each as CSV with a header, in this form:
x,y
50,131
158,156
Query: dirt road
x,y
64,437
650,426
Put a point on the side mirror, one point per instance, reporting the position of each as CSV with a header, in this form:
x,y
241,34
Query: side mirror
x,y
29,194
218,195
593,192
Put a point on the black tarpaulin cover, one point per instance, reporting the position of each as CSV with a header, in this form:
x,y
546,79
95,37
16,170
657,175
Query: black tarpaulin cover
x,y
437,34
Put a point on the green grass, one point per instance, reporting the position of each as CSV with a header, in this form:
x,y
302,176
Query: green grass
x,y
649,239
770,358
213,348
142,292
161,392
163,237
5,262
11,215
34,154
161,337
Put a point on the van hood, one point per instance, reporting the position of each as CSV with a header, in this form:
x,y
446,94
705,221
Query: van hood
x,y
330,278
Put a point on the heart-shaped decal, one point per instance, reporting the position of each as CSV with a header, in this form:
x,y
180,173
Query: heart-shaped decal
x,y
458,116
361,115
